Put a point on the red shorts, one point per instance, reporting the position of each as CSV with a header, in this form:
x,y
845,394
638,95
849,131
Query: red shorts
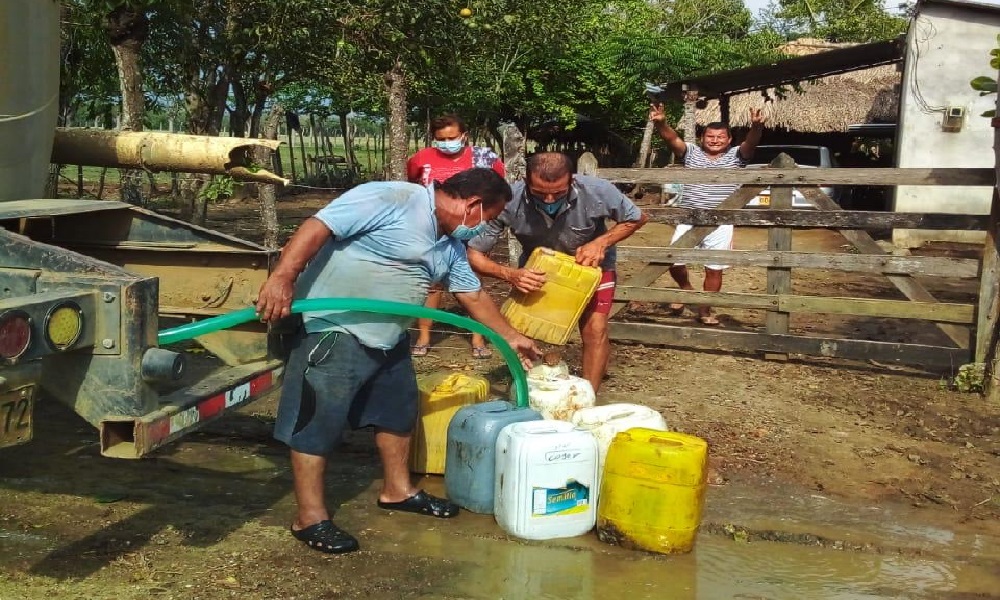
x,y
604,296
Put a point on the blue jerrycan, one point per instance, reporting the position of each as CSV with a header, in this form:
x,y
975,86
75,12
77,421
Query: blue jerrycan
x,y
471,453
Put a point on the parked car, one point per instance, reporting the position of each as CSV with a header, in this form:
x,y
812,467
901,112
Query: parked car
x,y
806,157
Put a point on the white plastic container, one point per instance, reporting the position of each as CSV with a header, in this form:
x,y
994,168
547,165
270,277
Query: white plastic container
x,y
605,422
546,480
547,371
560,396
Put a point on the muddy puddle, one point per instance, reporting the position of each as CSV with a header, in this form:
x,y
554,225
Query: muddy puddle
x,y
745,553
208,519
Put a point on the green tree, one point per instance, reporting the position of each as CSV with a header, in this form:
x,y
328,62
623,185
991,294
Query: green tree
x,y
985,84
834,20
88,82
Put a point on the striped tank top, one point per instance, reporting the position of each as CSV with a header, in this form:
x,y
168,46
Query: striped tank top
x,y
698,195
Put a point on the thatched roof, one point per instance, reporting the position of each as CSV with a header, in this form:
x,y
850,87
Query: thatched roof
x,y
826,105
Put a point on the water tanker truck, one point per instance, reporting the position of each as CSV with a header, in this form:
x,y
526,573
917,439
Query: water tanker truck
x,y
86,285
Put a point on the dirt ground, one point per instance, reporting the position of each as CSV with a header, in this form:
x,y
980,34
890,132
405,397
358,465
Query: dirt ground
x,y
206,517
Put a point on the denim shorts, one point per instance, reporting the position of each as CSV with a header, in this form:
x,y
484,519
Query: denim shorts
x,y
331,381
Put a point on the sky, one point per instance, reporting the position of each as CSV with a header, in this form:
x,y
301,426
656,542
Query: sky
x,y
756,5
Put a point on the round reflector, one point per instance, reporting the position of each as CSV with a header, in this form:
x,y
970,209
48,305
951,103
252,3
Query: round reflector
x,y
63,325
15,334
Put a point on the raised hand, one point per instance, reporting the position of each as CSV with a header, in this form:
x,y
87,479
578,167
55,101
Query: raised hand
x,y
656,113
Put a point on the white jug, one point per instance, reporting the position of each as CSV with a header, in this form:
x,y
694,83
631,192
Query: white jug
x,y
607,421
545,480
559,397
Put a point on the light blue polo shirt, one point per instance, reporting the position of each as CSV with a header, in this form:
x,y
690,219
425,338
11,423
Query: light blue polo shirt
x,y
385,246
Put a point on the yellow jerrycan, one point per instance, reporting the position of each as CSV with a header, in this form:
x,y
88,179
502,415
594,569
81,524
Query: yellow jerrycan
x,y
550,314
442,394
653,491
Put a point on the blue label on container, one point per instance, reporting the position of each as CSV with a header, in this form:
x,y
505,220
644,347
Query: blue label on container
x,y
574,498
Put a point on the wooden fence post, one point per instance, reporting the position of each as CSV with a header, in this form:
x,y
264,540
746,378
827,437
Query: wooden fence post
x,y
689,122
987,334
587,164
779,279
515,164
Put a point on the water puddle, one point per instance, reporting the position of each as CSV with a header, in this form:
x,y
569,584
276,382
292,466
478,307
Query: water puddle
x,y
583,568
888,558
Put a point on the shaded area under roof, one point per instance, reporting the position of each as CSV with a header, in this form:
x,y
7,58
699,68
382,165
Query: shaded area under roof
x,y
790,71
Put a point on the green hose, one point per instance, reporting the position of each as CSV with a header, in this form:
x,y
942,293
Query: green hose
x,y
246,315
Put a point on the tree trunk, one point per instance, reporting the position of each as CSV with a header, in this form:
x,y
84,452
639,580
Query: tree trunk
x,y
305,157
348,146
494,134
428,134
291,152
267,193
127,28
384,165
240,113
256,114
52,182
205,102
644,147
688,122
100,183
395,89
515,163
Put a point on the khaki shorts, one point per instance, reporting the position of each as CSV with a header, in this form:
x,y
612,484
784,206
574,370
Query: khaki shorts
x,y
721,238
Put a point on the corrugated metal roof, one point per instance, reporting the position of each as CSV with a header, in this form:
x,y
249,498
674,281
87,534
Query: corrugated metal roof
x,y
792,70
981,4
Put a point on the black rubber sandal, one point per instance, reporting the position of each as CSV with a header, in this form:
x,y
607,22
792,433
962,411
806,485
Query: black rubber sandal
x,y
326,537
423,503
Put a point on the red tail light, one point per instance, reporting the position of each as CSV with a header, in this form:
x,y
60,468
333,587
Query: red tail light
x,y
15,334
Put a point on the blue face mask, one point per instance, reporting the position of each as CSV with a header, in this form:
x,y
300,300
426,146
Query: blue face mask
x,y
449,146
465,233
549,208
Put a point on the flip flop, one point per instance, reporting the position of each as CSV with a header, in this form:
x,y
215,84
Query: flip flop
x,y
708,320
420,350
676,309
326,537
423,503
481,352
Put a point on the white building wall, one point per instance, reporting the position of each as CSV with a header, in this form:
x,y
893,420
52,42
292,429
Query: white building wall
x,y
948,46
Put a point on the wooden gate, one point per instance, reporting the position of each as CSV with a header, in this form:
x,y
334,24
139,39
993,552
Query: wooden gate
x,y
959,322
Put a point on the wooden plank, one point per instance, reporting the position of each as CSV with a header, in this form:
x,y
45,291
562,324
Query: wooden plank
x,y
650,273
759,217
779,239
992,383
939,312
906,284
737,199
694,297
987,328
586,164
858,263
837,176
932,357
646,277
